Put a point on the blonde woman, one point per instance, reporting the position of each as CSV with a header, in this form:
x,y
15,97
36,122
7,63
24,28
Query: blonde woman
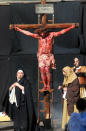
x,y
71,93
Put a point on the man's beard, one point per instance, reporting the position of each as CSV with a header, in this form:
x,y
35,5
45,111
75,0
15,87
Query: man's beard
x,y
44,36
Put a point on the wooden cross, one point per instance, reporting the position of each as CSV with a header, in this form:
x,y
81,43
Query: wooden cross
x,y
43,23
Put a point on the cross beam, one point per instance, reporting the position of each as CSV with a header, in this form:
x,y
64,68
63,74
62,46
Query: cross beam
x,y
47,26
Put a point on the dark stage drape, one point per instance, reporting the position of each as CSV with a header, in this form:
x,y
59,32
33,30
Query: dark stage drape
x,y
84,25
4,78
18,50
5,41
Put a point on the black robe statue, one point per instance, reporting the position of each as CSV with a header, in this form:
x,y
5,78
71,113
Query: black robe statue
x,y
23,114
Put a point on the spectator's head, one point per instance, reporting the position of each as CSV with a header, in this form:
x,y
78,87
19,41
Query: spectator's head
x,y
76,61
81,104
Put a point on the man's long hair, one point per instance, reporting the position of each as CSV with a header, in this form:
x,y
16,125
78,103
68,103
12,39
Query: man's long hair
x,y
43,30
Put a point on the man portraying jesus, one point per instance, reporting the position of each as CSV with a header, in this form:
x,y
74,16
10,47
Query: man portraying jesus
x,y
46,59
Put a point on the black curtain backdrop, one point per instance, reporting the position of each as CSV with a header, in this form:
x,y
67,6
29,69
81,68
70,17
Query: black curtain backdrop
x,y
5,77
84,25
5,41
68,12
23,14
18,50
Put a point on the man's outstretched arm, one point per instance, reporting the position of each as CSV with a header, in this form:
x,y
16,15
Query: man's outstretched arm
x,y
28,33
55,34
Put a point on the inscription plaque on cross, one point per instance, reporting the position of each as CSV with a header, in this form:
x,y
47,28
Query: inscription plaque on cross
x,y
45,40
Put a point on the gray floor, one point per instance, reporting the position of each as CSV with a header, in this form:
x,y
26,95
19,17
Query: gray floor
x,y
56,116
5,126
56,119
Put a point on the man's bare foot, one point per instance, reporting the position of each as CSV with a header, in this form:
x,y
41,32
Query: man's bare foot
x,y
43,89
48,88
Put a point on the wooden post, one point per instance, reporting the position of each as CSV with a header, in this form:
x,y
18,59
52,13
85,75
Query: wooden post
x,y
46,105
46,93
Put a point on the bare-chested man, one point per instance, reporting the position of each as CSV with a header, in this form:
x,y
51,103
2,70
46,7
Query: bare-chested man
x,y
45,57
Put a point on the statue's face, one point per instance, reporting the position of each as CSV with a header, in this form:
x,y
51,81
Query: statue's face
x,y
43,35
20,75
76,62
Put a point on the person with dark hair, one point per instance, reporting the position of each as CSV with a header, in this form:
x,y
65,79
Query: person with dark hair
x,y
81,74
45,56
77,121
22,109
